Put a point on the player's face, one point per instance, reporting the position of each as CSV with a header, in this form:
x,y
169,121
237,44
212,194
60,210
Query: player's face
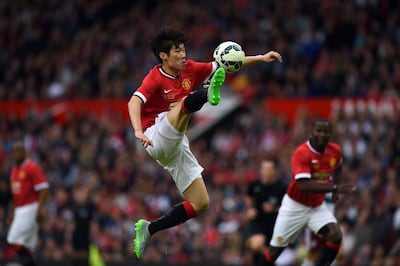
x,y
18,153
267,171
176,60
321,134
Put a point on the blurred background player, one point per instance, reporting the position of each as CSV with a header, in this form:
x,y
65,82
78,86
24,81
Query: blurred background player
x,y
160,111
29,189
83,209
263,199
315,165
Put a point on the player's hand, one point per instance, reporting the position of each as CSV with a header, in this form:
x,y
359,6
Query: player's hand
x,y
271,56
143,139
268,207
345,189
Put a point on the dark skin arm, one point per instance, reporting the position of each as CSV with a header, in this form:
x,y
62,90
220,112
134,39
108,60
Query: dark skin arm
x,y
10,215
337,180
43,196
310,186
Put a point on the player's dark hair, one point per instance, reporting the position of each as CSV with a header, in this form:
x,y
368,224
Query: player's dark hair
x,y
321,121
19,144
165,40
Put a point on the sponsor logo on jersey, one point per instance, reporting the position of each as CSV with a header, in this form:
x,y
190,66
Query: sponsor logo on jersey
x,y
314,164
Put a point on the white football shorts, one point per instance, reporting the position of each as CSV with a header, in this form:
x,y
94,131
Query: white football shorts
x,y
24,228
171,150
293,217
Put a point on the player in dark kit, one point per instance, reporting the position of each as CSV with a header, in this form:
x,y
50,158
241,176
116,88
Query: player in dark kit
x,y
315,165
83,209
160,111
263,200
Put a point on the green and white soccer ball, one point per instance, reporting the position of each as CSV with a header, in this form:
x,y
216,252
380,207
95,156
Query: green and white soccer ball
x,y
229,55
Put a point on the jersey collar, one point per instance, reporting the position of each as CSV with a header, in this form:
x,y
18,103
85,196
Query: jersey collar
x,y
166,74
311,148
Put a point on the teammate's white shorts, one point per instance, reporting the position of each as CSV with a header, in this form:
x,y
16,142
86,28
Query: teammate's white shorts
x,y
293,217
24,228
171,150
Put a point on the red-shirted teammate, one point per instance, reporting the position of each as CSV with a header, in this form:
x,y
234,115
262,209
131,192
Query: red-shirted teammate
x,y
160,111
29,189
315,165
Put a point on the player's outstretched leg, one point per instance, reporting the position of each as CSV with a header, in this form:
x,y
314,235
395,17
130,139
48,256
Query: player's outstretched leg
x,y
142,235
215,86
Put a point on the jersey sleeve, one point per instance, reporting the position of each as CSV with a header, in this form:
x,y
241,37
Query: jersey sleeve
x,y
38,178
301,164
147,88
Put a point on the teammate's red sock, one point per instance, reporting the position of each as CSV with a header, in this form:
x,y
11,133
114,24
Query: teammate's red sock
x,y
266,259
24,254
174,216
328,254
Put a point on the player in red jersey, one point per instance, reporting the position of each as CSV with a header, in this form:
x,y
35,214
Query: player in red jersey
x,y
29,189
160,110
315,166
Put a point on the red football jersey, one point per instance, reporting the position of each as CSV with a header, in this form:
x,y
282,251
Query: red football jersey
x,y
26,180
160,91
309,163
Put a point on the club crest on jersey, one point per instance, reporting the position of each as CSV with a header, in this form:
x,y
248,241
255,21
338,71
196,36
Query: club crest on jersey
x,y
22,175
186,84
279,239
332,162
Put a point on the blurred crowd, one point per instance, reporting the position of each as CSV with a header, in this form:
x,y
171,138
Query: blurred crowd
x,y
101,159
83,49
99,49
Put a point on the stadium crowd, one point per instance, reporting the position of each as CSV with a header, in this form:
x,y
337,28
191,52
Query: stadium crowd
x,y
98,49
75,49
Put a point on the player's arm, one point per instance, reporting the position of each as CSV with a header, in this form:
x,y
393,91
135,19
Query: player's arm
x,y
336,180
307,185
10,215
41,186
134,109
268,57
302,174
43,196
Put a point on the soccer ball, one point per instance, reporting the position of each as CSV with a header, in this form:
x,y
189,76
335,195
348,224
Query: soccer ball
x,y
229,55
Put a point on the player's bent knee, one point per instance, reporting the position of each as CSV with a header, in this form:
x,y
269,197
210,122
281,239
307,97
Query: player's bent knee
x,y
202,207
331,233
335,237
